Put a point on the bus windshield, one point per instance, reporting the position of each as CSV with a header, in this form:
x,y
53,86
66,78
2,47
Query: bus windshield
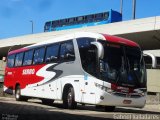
x,y
122,65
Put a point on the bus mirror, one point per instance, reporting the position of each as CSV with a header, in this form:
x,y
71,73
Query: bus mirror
x,y
154,60
70,56
100,49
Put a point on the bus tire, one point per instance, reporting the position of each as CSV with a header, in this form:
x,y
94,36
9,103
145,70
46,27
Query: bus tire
x,y
18,95
109,108
69,99
47,101
99,107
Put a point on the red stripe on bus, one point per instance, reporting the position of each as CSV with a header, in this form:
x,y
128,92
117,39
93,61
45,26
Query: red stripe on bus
x,y
120,40
17,51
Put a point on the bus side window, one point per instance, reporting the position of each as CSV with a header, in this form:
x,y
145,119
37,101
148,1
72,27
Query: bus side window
x,y
148,62
67,51
106,15
10,61
52,53
19,58
99,17
71,21
39,56
28,58
47,26
80,19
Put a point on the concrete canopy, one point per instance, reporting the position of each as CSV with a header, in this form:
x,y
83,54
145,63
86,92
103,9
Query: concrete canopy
x,y
146,32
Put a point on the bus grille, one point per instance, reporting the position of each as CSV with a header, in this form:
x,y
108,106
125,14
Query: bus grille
x,y
126,95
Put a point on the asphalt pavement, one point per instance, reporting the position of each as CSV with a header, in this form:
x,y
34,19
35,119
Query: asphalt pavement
x,y
35,110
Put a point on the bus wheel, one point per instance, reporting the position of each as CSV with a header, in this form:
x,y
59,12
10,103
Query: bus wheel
x,y
47,101
109,108
69,100
18,94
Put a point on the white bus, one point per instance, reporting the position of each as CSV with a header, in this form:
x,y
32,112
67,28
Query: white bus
x,y
152,62
82,67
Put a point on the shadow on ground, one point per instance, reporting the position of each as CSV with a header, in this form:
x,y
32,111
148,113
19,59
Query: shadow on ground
x,y
34,110
101,109
31,112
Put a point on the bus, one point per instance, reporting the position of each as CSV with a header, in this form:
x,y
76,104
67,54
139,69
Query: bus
x,y
82,67
83,21
152,62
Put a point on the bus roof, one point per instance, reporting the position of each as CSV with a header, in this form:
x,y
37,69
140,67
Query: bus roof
x,y
109,38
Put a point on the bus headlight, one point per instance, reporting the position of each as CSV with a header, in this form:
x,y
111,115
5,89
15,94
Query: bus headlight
x,y
104,88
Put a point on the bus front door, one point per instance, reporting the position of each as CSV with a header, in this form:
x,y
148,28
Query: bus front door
x,y
88,93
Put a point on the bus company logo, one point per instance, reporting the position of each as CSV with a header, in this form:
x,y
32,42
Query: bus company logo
x,y
28,71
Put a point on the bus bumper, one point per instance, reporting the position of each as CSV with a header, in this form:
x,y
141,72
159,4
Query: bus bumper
x,y
109,99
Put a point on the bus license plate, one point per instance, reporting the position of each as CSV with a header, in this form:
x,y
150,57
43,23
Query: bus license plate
x,y
127,101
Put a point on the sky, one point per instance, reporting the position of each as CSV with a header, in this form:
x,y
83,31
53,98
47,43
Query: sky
x,y
16,15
